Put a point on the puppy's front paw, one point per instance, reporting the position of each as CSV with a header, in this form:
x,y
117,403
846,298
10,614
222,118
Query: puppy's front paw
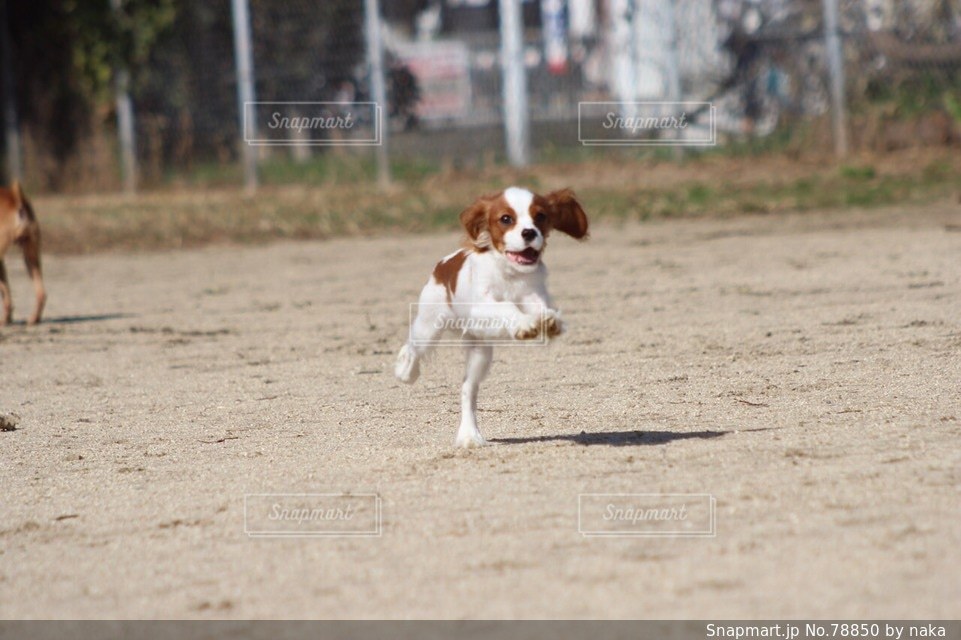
x,y
553,325
527,328
407,368
470,440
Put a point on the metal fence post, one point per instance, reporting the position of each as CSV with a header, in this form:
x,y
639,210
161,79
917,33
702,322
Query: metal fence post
x,y
125,129
515,83
832,41
378,87
245,89
673,71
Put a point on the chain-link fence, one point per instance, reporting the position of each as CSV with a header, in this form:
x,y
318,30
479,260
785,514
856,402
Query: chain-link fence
x,y
763,64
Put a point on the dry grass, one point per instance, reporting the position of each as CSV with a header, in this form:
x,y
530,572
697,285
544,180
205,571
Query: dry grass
x,y
612,187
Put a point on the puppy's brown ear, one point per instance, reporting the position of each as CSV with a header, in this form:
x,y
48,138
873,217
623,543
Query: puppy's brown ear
x,y
474,218
566,214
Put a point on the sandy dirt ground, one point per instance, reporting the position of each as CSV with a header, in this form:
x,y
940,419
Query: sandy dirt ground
x,y
804,370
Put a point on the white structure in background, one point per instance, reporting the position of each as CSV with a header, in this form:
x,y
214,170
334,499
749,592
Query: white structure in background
x,y
874,13
582,18
653,44
441,66
622,78
651,33
427,23
639,46
700,33
583,29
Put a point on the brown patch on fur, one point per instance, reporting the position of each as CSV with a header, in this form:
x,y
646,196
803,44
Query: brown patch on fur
x,y
446,272
484,217
497,229
474,217
540,205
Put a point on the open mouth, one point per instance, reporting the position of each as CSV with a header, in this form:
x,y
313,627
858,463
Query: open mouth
x,y
526,257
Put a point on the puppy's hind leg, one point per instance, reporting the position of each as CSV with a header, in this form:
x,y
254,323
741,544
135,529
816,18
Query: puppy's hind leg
x,y
7,314
31,258
478,364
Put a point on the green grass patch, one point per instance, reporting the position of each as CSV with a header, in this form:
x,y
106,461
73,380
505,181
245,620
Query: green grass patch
x,y
855,173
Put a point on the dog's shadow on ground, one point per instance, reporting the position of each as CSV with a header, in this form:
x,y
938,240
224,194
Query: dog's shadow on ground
x,y
61,320
618,438
91,318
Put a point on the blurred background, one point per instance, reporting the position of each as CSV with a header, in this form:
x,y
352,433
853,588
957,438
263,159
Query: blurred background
x,y
142,96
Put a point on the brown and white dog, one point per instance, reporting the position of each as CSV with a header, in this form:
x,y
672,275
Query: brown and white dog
x,y
495,288
18,225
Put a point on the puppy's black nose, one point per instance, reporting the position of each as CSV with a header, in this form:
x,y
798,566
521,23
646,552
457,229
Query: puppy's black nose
x,y
529,234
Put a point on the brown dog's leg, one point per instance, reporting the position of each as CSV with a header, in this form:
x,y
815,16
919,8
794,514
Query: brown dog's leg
x,y
7,314
31,257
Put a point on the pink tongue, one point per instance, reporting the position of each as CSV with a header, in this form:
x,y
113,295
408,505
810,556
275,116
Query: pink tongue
x,y
527,256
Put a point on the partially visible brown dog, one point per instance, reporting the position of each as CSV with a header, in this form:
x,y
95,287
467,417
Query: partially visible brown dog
x,y
18,225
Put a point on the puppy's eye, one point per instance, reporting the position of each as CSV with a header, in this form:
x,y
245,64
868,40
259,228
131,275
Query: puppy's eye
x,y
540,217
506,220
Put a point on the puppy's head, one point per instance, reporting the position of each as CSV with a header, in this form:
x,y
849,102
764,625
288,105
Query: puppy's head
x,y
516,222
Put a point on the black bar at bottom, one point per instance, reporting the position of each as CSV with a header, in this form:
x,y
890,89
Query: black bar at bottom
x,y
484,630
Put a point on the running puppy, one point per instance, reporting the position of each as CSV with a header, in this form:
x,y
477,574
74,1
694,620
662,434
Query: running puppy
x,y
493,288
18,225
